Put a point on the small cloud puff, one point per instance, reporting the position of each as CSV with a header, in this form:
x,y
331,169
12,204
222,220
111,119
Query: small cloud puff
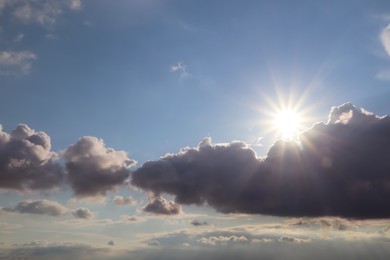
x,y
83,213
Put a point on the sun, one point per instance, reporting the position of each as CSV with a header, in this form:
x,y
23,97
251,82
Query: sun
x,y
288,123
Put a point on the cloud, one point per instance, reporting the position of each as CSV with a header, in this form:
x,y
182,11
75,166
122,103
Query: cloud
x,y
161,206
75,4
294,239
19,37
383,75
223,240
180,68
385,39
16,62
128,218
110,243
26,160
39,207
153,243
94,169
121,201
46,250
83,213
339,168
43,13
199,223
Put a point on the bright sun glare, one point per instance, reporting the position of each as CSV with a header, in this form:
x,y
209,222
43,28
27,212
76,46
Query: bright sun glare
x,y
287,123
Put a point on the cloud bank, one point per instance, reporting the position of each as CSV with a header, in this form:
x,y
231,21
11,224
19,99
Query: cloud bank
x,y
339,168
39,207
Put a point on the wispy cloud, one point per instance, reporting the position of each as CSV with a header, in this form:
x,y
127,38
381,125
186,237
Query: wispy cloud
x,y
75,4
16,62
383,75
385,39
180,68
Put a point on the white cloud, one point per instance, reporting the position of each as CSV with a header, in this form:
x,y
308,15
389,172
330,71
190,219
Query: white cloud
x,y
44,14
385,39
180,68
75,4
16,62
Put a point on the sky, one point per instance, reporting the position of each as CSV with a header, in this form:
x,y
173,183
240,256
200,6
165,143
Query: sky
x,y
167,129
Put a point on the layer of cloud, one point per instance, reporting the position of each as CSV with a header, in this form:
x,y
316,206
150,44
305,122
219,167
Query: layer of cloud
x,y
26,160
16,62
94,169
83,213
339,168
39,207
161,206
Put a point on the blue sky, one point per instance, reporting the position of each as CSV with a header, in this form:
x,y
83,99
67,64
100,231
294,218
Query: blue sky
x,y
151,77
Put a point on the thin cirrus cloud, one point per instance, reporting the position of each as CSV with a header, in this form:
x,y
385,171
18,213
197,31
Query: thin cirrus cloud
x,y
339,168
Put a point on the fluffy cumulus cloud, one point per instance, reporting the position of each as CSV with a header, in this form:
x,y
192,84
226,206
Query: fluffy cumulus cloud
x,y
26,160
94,169
16,62
161,206
40,207
83,213
339,168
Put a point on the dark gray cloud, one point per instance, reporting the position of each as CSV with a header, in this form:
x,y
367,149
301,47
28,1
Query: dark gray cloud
x,y
339,168
26,160
40,207
199,223
110,243
94,169
161,206
83,213
58,251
